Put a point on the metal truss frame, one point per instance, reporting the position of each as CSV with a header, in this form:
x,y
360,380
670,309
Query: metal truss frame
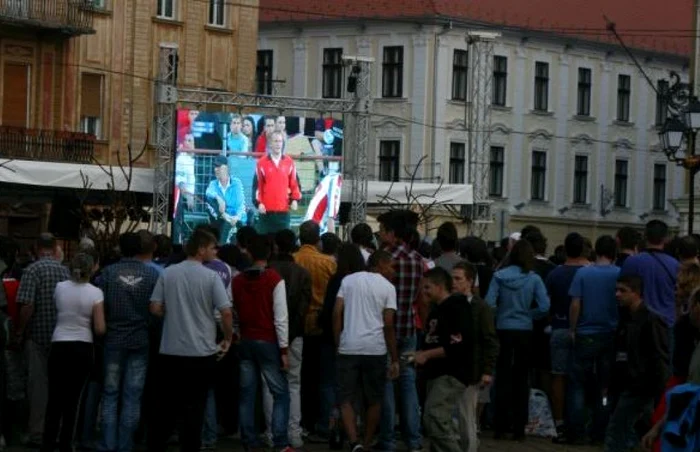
x,y
478,124
356,113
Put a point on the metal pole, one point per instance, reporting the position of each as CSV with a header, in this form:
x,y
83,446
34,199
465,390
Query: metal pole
x,y
691,190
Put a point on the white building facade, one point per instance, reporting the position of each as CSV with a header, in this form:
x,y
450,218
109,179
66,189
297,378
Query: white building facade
x,y
574,125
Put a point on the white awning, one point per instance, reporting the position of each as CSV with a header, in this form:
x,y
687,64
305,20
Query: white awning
x,y
424,193
68,175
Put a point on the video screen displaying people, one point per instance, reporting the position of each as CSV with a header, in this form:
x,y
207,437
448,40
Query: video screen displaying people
x,y
271,172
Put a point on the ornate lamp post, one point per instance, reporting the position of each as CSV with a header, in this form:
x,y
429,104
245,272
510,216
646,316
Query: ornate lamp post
x,y
679,132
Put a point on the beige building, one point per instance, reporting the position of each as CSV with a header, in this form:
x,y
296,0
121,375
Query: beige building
x,y
89,67
574,142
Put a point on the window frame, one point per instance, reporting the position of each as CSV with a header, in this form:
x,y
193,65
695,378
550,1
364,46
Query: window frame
x,y
584,91
621,183
458,163
662,87
162,7
500,80
393,160
217,10
392,72
580,192
538,176
659,187
264,84
460,74
497,156
328,70
541,92
624,97
85,121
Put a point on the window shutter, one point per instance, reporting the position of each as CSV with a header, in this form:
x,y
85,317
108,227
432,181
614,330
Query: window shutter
x,y
91,95
15,95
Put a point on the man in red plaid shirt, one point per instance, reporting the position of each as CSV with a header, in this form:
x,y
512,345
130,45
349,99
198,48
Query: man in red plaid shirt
x,y
394,229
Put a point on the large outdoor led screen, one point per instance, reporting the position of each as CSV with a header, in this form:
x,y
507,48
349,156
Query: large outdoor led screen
x,y
267,171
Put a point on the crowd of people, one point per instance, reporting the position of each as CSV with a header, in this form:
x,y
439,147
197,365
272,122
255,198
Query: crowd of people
x,y
288,339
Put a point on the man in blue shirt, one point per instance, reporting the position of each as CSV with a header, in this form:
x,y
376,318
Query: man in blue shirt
x,y
225,200
593,318
235,140
658,271
127,287
558,283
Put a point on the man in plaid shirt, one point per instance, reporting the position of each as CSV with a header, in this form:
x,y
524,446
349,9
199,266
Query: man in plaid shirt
x,y
394,228
37,320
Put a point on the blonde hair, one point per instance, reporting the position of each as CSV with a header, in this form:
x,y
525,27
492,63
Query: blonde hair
x,y
687,284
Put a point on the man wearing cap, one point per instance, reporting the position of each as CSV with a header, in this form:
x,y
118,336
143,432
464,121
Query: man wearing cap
x,y
37,320
225,200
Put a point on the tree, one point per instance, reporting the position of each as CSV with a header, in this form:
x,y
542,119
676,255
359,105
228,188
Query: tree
x,y
117,209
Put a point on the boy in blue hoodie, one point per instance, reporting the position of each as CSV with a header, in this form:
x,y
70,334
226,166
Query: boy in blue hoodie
x,y
512,292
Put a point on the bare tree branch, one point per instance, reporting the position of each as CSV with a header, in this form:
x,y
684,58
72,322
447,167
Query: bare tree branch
x,y
4,164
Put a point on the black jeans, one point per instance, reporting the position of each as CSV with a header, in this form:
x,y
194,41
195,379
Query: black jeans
x,y
69,367
182,391
311,383
512,386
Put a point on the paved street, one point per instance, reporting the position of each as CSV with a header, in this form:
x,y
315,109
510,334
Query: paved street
x,y
531,445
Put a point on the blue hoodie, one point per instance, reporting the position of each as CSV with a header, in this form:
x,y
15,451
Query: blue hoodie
x,y
512,292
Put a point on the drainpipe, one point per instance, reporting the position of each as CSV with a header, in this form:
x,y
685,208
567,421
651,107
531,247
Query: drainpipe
x,y
436,44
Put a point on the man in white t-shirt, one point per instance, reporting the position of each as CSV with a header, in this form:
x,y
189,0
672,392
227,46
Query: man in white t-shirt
x,y
363,327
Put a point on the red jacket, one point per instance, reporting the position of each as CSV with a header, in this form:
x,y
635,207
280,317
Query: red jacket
x,y
276,184
253,295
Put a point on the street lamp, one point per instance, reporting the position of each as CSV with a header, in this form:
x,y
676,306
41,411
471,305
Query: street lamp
x,y
682,124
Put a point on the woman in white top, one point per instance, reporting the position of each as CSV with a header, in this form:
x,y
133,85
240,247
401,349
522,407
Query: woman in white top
x,y
80,310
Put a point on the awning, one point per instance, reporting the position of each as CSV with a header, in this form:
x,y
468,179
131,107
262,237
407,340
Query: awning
x,y
424,193
68,175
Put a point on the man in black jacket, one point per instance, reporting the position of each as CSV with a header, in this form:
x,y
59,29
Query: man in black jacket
x,y
641,364
448,341
298,284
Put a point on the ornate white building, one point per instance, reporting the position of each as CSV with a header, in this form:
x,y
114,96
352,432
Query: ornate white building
x,y
574,123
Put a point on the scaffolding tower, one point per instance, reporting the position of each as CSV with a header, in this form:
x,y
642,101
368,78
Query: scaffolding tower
x,y
356,112
478,125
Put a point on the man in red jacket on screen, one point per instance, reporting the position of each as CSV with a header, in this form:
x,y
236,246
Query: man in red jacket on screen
x,y
277,184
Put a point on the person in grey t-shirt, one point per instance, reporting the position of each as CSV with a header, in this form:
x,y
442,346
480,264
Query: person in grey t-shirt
x,y
448,240
186,296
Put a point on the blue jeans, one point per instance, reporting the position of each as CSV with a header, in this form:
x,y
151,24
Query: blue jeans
x,y
409,407
589,374
210,426
621,435
328,389
125,376
259,357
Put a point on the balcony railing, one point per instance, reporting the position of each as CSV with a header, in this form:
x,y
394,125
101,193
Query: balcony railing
x,y
68,17
46,145
404,173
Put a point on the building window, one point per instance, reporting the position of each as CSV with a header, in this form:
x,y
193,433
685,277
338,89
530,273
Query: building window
x,y
216,13
392,72
332,73
659,201
98,4
91,104
624,93
496,171
389,153
460,71
457,163
539,175
541,86
621,172
263,72
166,9
500,80
580,179
661,102
584,92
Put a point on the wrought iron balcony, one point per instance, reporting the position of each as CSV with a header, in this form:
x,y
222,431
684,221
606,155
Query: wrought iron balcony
x,y
66,17
46,145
